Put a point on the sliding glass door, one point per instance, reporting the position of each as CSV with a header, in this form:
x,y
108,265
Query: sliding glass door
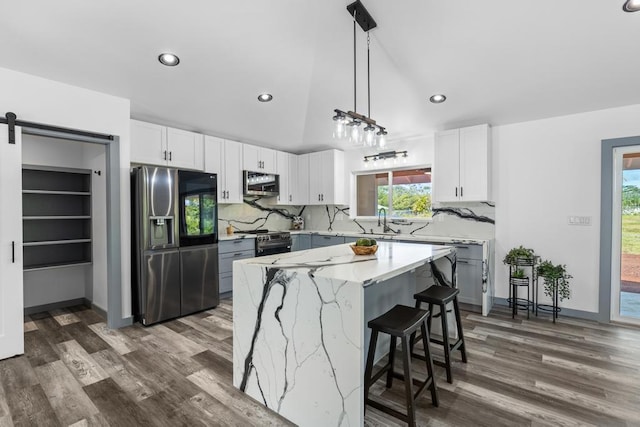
x,y
625,234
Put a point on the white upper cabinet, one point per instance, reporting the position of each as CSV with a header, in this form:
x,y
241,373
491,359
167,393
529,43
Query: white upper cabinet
x,y
282,169
186,149
462,165
299,179
326,178
259,159
148,143
224,158
159,145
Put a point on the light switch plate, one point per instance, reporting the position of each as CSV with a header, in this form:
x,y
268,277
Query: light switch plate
x,y
579,220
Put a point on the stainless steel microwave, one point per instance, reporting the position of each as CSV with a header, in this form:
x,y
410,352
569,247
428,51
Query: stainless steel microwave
x,y
261,184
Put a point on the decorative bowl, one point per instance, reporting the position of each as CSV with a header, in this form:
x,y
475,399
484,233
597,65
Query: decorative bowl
x,y
364,250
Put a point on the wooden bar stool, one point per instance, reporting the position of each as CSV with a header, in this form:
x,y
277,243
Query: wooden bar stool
x,y
441,296
400,322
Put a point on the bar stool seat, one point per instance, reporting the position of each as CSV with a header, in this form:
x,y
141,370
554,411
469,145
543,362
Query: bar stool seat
x,y
441,296
400,322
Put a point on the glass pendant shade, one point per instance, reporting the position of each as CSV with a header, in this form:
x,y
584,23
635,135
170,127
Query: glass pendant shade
x,y
370,136
355,136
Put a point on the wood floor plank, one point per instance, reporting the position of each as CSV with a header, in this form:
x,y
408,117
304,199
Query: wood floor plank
x,y
30,407
64,316
116,339
29,325
86,337
115,406
16,373
174,342
4,406
118,370
65,394
201,409
80,363
229,396
97,420
37,348
88,316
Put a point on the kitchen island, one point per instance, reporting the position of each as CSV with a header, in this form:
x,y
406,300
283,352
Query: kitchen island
x,y
300,335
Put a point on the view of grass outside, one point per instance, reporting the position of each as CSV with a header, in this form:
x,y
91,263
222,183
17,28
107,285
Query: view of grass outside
x,y
630,219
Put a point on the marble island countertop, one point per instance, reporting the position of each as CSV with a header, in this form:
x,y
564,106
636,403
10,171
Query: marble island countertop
x,y
407,237
340,263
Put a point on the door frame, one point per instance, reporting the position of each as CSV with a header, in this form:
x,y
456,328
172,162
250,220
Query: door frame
x,y
606,221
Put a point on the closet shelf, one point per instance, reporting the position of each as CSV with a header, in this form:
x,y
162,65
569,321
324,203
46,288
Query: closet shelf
x,y
57,265
30,218
56,242
58,192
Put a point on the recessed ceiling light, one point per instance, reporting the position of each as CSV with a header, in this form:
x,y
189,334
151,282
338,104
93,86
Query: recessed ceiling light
x,y
265,97
631,6
169,59
438,99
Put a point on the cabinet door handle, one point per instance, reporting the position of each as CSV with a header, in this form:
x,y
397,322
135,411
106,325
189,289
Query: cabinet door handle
x,y
227,194
323,197
289,197
461,188
165,154
170,153
456,191
462,247
237,254
460,261
13,252
236,242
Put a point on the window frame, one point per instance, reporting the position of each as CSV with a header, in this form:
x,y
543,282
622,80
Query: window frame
x,y
353,206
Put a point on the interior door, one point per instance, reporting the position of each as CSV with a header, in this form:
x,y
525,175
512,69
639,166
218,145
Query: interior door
x,y
11,293
625,235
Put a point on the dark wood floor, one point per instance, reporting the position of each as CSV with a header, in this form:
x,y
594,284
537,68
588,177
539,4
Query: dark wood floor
x,y
520,373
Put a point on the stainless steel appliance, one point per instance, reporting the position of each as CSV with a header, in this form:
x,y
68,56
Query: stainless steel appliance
x,y
174,239
156,275
271,242
261,184
198,241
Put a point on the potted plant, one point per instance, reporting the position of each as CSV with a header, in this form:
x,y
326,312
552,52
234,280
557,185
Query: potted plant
x,y
518,274
519,256
555,275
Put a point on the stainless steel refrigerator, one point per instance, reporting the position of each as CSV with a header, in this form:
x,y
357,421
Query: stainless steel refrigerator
x,y
174,239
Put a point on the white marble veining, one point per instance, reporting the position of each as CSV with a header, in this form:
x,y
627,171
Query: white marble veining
x,y
340,263
300,330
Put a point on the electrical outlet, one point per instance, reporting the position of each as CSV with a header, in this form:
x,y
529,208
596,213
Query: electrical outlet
x,y
579,220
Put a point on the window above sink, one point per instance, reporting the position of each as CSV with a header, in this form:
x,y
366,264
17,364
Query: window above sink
x,y
402,193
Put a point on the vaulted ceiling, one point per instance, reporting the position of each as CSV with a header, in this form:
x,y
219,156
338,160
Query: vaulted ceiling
x,y
498,62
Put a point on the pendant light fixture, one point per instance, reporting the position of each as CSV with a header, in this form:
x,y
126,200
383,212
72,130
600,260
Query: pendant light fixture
x,y
358,128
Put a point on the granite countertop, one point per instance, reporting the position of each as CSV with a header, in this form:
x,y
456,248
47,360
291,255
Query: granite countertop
x,y
339,262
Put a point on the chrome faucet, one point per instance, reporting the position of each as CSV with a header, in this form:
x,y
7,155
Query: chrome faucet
x,y
383,212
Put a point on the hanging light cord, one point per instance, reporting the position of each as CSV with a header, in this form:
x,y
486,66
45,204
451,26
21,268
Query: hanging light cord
x,y
355,93
368,79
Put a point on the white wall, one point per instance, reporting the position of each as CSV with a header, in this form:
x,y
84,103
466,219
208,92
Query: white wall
x,y
544,171
94,158
40,100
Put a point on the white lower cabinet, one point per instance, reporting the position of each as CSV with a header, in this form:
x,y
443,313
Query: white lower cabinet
x,y
229,251
469,274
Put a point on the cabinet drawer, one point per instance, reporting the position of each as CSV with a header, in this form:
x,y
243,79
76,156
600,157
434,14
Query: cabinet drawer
x,y
226,283
321,241
226,260
236,245
469,251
